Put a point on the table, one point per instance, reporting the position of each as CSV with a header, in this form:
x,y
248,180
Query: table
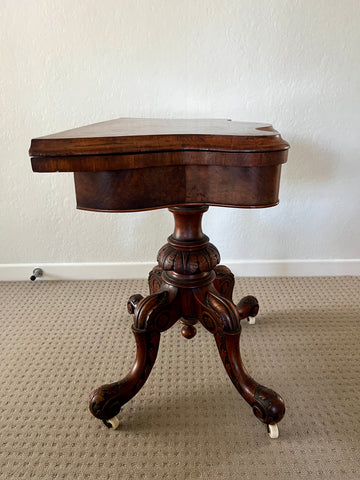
x,y
131,164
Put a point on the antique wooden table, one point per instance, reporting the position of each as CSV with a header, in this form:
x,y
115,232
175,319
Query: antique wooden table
x,y
186,165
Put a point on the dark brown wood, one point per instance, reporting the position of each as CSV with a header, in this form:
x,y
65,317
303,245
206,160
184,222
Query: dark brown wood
x,y
125,161
155,280
152,315
187,285
267,405
188,330
137,135
140,164
107,400
224,281
149,188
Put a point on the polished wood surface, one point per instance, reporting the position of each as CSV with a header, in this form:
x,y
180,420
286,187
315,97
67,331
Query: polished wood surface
x,y
136,135
149,188
140,164
188,285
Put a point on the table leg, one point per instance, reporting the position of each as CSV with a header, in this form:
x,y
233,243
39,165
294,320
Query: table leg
x,y
267,405
107,400
221,317
152,315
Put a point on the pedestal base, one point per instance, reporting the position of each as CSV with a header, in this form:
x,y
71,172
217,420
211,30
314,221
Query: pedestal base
x,y
188,285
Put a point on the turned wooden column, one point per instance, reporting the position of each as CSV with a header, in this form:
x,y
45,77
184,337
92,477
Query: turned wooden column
x,y
188,261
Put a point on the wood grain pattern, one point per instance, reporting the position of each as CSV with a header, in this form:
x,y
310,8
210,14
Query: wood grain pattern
x,y
140,164
99,163
149,188
131,135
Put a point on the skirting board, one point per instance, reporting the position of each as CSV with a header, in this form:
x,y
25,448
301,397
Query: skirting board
x,y
251,268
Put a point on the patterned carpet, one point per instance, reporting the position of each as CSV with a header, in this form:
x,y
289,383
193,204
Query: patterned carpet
x,y
60,340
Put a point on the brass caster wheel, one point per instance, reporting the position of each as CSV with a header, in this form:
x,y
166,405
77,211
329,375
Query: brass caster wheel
x,y
273,430
251,320
113,422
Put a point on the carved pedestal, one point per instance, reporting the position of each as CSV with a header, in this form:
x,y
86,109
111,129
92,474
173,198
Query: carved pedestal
x,y
188,285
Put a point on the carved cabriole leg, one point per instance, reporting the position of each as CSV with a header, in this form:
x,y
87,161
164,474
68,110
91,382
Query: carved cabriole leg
x,y
267,405
152,315
107,400
220,317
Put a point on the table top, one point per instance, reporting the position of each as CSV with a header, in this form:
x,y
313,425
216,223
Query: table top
x,y
138,164
129,136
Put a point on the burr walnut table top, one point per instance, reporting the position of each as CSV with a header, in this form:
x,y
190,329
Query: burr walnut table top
x,y
138,164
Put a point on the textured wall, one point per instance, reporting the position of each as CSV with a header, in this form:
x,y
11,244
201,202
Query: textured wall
x,y
294,64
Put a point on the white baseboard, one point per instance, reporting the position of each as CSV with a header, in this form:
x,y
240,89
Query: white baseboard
x,y
128,270
295,268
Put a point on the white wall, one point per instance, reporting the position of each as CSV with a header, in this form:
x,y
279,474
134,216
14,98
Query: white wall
x,y
294,64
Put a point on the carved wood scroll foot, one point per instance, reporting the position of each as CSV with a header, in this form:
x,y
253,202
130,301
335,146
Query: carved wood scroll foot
x,y
152,315
267,405
107,400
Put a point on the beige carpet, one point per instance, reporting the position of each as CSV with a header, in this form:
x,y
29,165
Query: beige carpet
x,y
59,340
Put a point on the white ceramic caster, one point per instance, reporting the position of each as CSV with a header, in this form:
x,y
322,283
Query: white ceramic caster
x,y
251,320
273,431
113,422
